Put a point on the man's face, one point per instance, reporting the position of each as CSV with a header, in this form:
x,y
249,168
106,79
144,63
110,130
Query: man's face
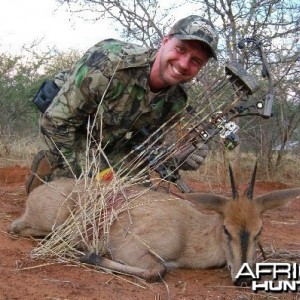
x,y
179,61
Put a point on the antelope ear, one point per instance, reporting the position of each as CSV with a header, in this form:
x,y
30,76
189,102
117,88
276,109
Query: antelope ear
x,y
207,201
277,198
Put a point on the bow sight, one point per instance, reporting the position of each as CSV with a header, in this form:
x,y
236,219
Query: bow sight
x,y
265,107
236,99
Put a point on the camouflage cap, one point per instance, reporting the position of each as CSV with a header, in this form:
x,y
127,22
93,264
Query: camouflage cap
x,y
196,28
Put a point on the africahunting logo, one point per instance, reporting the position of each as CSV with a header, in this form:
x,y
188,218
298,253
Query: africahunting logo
x,y
285,277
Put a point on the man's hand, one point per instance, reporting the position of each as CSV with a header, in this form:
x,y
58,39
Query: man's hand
x,y
195,158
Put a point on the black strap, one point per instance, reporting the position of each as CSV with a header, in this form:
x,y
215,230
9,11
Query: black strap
x,y
45,95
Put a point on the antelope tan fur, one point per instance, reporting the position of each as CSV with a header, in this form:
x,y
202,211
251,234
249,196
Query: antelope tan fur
x,y
161,231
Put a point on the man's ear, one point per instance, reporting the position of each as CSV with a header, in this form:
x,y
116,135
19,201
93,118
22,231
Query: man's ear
x,y
165,40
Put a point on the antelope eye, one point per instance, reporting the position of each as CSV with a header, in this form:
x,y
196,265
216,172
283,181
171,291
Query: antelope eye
x,y
227,232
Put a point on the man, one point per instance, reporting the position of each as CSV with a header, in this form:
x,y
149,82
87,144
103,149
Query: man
x,y
122,89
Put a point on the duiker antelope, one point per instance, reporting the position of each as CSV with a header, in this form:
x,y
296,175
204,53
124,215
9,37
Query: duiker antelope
x,y
162,231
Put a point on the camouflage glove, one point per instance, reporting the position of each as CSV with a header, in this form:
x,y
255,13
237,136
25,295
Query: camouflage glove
x,y
195,157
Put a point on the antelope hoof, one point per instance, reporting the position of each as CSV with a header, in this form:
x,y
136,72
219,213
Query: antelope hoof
x,y
91,258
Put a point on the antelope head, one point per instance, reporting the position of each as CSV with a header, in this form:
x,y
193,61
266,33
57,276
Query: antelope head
x,y
240,222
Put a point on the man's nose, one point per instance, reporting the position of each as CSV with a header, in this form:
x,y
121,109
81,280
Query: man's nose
x,y
184,62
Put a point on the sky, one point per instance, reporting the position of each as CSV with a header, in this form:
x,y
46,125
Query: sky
x,y
24,21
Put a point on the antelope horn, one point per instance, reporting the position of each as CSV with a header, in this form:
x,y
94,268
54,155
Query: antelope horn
x,y
250,189
234,190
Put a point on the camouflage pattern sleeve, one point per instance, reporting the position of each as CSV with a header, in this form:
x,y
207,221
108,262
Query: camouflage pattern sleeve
x,y
70,110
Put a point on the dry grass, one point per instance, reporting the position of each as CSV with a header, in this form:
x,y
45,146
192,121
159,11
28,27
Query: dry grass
x,y
88,226
215,169
19,150
281,255
87,230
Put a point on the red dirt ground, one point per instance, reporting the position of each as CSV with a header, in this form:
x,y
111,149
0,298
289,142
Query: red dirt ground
x,y
23,278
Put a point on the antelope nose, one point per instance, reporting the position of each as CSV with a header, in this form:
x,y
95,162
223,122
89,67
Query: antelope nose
x,y
245,281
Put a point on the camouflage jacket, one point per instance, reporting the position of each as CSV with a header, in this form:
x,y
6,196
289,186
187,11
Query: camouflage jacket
x,y
108,88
